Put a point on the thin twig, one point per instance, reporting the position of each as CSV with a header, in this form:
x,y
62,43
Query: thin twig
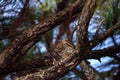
x,y
99,26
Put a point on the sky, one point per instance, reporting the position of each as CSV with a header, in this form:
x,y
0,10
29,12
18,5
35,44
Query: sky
x,y
92,29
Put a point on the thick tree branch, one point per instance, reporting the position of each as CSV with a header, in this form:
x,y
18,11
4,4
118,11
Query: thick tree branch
x,y
109,31
63,67
67,62
80,74
103,36
88,71
8,56
39,63
111,51
29,65
24,50
82,28
82,36
57,71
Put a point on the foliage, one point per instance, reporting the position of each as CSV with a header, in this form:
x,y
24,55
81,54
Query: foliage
x,y
13,22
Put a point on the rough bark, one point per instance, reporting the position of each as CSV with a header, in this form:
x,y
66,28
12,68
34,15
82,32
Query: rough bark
x,y
65,68
29,65
10,54
110,51
82,28
60,68
46,61
23,42
101,37
82,36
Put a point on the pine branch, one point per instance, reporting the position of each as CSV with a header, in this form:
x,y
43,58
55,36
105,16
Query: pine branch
x,y
12,52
